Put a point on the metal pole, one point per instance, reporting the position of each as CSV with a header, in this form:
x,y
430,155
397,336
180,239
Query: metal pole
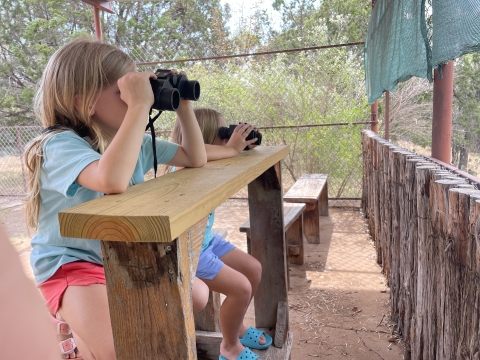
x,y
387,115
374,117
442,113
98,23
374,107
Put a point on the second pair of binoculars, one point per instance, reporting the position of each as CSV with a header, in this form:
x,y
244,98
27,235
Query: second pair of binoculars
x,y
169,88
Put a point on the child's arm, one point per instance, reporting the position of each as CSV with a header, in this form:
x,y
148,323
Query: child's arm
x,y
111,174
234,146
191,153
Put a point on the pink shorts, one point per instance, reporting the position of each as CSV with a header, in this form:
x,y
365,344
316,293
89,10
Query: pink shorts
x,y
78,273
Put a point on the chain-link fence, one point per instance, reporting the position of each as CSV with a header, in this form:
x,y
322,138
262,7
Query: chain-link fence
x,y
333,150
12,169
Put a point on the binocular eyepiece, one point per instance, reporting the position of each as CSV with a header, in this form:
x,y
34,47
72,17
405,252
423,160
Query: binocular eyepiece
x,y
226,133
169,88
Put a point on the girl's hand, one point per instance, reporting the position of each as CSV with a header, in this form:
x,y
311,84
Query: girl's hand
x,y
237,140
135,88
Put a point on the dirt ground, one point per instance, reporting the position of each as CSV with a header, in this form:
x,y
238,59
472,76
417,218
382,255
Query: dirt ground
x,y
338,301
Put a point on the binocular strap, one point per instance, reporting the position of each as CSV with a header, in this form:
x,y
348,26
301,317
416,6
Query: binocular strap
x,y
154,145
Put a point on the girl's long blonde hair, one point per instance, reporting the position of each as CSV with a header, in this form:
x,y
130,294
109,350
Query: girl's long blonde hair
x,y
207,120
66,94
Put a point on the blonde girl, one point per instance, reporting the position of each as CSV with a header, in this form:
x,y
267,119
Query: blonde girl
x,y
221,266
94,107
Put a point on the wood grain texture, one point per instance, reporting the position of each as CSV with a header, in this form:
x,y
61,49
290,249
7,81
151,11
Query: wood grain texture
x,y
306,189
149,295
161,209
281,328
267,243
208,345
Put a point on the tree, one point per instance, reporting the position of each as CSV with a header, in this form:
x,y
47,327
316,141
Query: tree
x,y
33,29
466,105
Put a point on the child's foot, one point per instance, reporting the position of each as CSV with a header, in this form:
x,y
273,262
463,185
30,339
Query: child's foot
x,y
243,330
233,352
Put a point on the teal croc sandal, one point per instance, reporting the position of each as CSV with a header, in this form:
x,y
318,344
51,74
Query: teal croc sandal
x,y
246,354
252,337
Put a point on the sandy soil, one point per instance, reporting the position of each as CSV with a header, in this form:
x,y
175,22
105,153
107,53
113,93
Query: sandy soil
x,y
339,305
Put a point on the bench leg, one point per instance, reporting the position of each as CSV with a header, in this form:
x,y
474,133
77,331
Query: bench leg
x,y
311,223
323,201
209,318
268,244
294,239
149,296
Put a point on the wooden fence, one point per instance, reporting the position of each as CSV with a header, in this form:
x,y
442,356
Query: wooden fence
x,y
424,222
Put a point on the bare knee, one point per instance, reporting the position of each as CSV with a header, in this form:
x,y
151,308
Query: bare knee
x,y
242,291
200,295
256,272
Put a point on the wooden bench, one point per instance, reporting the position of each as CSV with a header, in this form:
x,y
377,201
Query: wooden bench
x,y
293,219
151,237
311,189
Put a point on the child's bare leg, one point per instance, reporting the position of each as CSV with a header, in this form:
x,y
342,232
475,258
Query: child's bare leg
x,y
200,294
252,269
238,291
85,309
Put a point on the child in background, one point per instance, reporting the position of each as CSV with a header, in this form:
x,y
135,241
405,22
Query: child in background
x,y
221,266
94,107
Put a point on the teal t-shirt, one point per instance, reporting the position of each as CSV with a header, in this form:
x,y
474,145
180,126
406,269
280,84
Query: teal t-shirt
x,y
209,235
65,155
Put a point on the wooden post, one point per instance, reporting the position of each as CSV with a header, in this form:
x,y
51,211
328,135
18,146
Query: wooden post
x,y
267,242
148,287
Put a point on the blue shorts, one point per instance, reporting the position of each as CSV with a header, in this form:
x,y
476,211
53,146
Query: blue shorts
x,y
209,263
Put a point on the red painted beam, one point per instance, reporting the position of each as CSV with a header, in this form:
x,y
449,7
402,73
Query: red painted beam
x,y
442,113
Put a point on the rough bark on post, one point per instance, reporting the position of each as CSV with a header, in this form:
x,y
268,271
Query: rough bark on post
x,y
425,338
445,300
409,229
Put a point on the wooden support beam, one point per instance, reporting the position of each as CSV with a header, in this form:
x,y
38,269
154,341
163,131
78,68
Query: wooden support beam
x,y
149,295
267,243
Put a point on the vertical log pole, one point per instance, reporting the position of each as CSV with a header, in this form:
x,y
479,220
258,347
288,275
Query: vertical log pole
x,y
387,115
442,113
424,343
440,224
268,244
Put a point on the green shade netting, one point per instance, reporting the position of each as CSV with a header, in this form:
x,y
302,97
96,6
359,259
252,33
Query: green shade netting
x,y
396,47
455,29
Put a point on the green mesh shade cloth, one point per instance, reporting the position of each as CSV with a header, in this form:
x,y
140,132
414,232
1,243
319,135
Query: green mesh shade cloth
x,y
396,45
455,29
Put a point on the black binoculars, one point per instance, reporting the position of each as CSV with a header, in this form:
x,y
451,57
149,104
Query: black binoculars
x,y
226,133
168,88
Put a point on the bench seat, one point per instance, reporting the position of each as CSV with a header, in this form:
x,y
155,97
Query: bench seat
x,y
311,189
293,219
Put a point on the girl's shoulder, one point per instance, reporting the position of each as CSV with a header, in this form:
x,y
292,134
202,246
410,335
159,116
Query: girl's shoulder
x,y
66,142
